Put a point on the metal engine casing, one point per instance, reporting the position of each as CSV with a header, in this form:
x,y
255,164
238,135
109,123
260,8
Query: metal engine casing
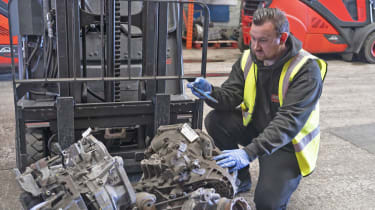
x,y
179,161
84,176
200,199
179,173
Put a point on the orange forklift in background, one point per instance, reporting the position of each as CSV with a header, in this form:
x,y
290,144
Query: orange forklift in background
x,y
324,26
5,58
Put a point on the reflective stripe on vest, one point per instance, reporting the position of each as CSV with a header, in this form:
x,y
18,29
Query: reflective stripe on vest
x,y
250,74
306,142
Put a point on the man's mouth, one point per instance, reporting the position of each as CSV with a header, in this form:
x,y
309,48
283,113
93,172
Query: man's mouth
x,y
259,52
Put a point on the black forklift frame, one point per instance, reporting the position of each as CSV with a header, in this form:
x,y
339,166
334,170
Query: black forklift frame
x,y
69,115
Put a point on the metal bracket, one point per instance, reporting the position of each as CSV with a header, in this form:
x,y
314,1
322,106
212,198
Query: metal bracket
x,y
65,121
198,115
162,110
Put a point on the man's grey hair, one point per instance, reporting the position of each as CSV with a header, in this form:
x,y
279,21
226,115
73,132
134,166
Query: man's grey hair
x,y
275,16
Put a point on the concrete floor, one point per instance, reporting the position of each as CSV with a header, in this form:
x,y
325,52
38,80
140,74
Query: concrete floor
x,y
344,178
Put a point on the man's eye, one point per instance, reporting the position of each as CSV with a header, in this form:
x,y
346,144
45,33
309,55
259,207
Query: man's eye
x,y
259,40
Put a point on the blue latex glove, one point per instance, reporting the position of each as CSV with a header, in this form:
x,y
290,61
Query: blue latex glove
x,y
202,84
234,159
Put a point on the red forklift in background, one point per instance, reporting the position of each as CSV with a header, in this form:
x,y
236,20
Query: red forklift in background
x,y
324,26
5,58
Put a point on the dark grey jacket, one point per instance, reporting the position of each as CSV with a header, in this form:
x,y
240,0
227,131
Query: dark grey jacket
x,y
276,125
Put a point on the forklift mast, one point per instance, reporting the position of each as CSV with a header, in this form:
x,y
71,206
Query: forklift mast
x,y
115,66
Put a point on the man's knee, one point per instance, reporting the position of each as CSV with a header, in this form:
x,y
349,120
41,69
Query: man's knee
x,y
224,128
222,120
211,122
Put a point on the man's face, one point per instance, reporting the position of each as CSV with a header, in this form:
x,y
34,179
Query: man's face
x,y
265,42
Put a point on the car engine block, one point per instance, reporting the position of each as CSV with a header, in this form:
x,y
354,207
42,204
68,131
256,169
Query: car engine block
x,y
179,162
84,176
178,173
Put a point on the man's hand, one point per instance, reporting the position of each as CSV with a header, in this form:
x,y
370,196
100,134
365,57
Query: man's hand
x,y
234,159
201,84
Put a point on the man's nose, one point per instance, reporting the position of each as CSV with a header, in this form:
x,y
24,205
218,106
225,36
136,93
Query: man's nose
x,y
256,45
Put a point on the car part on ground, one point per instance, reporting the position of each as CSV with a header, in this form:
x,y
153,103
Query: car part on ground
x,y
84,176
179,173
200,199
179,161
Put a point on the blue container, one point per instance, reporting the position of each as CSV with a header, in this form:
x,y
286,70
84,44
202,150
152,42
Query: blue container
x,y
218,13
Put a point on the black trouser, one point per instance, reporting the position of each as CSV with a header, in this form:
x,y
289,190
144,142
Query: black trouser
x,y
279,174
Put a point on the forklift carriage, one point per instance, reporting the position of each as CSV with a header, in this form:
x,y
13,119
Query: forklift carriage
x,y
115,66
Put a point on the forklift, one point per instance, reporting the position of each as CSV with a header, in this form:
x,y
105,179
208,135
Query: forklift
x,y
5,57
324,26
115,66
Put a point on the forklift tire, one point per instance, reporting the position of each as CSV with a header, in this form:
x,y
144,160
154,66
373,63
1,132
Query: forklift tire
x,y
368,49
34,145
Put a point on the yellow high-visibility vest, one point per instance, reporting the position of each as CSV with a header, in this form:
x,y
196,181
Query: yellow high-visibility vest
x,y
306,142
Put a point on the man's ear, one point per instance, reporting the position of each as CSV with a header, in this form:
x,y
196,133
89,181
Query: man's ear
x,y
283,37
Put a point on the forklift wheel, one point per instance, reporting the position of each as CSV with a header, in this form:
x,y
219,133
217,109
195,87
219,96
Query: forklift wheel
x,y
368,49
35,146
